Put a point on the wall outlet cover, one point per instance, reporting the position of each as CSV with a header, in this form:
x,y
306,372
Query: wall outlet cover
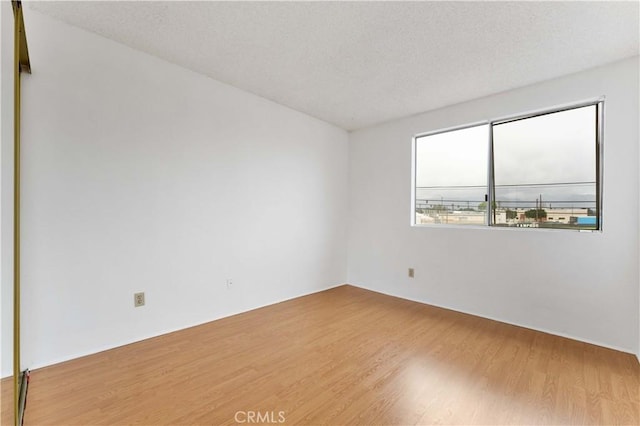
x,y
138,299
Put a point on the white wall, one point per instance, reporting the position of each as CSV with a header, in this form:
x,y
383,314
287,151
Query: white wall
x,y
6,188
582,285
143,176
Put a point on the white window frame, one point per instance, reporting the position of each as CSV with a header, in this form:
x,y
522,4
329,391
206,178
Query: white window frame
x,y
599,136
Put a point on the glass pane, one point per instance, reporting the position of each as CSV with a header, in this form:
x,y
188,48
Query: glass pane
x,y
451,177
545,171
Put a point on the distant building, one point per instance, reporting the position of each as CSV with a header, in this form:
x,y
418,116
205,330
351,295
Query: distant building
x,y
457,217
564,215
584,220
510,217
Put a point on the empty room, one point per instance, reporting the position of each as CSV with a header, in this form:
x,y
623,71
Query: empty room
x,y
306,213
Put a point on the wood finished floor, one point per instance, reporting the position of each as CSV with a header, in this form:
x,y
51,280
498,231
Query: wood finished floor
x,y
344,356
6,401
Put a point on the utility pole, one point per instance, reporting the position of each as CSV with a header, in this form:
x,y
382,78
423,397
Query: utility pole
x,y
541,202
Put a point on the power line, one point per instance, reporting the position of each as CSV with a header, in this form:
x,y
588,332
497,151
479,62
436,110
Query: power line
x,y
528,185
547,201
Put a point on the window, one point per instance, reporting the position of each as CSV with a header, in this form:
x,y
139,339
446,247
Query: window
x,y
539,170
451,177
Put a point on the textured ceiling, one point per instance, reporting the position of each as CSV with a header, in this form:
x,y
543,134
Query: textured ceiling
x,y
355,64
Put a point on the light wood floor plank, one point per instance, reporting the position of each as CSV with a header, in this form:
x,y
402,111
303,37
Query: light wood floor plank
x,y
343,356
6,401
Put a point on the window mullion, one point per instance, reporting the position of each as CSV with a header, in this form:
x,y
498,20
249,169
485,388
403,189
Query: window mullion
x,y
599,171
490,178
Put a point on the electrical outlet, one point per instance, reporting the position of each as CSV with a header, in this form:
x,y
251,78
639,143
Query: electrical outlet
x,y
229,283
411,273
138,299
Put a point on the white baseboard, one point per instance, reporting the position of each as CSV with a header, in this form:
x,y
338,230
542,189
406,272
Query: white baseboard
x,y
152,335
167,331
530,327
